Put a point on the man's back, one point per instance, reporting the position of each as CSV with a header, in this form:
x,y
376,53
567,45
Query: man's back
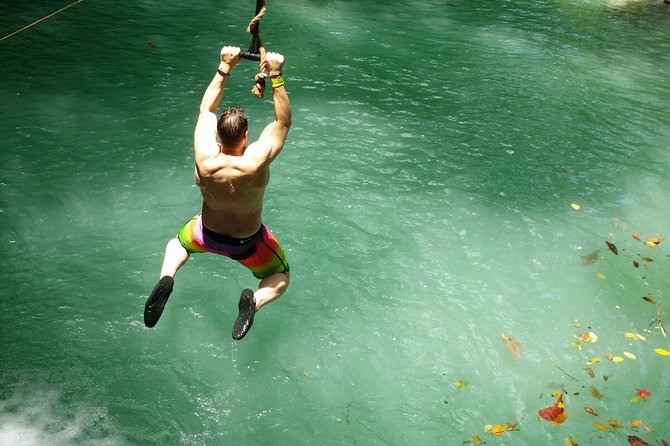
x,y
232,189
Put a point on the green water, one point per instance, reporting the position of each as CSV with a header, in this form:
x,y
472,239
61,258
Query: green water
x,y
423,199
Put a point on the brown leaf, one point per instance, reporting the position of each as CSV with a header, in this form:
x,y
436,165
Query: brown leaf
x,y
612,247
647,259
590,259
636,264
649,299
636,441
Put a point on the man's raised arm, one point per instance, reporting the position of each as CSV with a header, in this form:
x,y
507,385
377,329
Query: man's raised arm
x,y
275,133
205,130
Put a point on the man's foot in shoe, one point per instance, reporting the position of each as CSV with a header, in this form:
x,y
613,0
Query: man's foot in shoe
x,y
245,318
156,302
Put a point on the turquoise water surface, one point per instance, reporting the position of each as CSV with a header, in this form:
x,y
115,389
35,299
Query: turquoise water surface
x,y
453,175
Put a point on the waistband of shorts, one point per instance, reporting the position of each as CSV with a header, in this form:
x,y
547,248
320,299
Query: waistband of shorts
x,y
228,240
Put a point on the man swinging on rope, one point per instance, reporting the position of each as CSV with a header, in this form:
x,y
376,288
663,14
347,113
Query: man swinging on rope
x,y
232,178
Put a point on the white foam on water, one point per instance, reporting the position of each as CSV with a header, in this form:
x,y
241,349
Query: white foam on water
x,y
40,418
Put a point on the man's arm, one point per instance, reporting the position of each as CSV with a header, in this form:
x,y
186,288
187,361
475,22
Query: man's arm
x,y
274,135
205,129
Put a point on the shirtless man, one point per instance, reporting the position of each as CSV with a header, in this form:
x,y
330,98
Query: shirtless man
x,y
232,178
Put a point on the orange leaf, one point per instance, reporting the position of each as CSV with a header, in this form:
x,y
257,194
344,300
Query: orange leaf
x,y
614,423
637,237
635,424
591,411
643,393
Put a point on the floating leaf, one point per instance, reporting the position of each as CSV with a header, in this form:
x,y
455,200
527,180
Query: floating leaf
x,y
575,206
653,241
614,423
636,264
461,383
643,393
662,352
513,346
612,247
647,259
637,237
568,442
595,393
636,441
629,355
497,430
590,259
665,443
556,413
602,427
510,426
613,358
601,276
590,411
594,360
477,439
649,299
587,337
635,424
589,371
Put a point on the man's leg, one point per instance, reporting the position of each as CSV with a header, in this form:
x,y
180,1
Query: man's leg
x,y
269,289
175,256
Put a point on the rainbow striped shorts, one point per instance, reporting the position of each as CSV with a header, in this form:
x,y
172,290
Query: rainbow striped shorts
x,y
260,253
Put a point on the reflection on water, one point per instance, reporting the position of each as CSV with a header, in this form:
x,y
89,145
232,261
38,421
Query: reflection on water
x,y
452,178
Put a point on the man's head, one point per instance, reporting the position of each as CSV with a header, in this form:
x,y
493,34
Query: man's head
x,y
232,126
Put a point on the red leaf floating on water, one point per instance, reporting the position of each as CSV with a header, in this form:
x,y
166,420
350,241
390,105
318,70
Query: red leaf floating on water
x,y
643,393
637,441
612,247
665,443
556,414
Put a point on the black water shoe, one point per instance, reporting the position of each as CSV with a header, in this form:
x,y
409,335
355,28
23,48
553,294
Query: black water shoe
x,y
247,307
156,302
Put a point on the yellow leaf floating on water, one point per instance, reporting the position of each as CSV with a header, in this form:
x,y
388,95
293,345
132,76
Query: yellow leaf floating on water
x,y
498,430
635,424
629,355
568,442
477,439
613,358
602,427
594,360
662,352
601,276
575,206
635,336
461,383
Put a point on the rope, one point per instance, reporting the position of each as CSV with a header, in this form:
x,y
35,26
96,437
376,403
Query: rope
x,y
41,20
254,25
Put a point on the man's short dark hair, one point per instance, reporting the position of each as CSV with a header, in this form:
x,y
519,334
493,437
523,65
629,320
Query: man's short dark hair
x,y
232,125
